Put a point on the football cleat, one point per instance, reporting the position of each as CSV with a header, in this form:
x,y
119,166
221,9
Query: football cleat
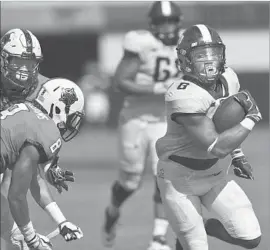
x,y
158,243
109,228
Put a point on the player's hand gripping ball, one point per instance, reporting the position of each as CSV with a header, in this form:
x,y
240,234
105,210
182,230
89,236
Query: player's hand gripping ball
x,y
249,104
229,113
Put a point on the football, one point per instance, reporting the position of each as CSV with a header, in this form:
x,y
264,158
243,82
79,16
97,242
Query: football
x,y
228,114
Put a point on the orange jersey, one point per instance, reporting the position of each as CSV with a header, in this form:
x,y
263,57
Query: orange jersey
x,y
23,124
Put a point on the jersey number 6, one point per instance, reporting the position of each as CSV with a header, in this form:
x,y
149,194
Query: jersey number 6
x,y
183,85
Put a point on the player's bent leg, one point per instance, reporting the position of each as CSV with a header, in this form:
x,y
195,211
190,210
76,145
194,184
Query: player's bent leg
x,y
160,227
216,229
9,230
161,223
132,146
238,223
184,215
6,219
122,189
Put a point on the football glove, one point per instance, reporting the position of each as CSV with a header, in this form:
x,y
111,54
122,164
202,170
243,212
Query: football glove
x,y
70,231
58,177
249,105
39,242
241,167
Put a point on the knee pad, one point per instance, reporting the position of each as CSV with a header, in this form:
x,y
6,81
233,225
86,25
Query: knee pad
x,y
157,197
119,194
130,181
243,224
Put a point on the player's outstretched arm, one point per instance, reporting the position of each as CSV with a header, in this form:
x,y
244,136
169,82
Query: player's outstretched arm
x,y
21,178
40,191
202,130
124,78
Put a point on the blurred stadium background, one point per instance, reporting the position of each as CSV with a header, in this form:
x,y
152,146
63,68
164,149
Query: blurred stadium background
x,y
82,41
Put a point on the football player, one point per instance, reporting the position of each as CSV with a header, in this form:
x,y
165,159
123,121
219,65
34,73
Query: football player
x,y
189,175
146,69
56,114
20,80
20,58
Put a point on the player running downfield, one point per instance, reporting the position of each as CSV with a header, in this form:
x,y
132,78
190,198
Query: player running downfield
x,y
146,69
189,175
29,137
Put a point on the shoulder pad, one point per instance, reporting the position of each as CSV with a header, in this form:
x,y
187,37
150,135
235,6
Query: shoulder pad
x,y
42,79
230,78
45,134
33,95
138,40
187,97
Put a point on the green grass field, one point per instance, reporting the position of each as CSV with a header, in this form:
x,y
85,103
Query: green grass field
x,y
93,157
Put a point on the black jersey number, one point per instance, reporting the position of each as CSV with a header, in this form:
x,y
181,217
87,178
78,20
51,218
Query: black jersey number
x,y
183,85
163,69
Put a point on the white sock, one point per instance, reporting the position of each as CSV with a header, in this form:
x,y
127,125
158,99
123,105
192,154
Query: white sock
x,y
160,227
14,228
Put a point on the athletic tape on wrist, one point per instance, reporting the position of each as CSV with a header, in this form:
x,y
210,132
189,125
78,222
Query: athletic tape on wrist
x,y
248,123
28,231
54,211
237,153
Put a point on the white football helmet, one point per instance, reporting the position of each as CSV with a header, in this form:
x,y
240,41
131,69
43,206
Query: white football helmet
x,y
20,58
63,100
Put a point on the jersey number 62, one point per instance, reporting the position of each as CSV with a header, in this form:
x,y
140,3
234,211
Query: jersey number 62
x,y
165,69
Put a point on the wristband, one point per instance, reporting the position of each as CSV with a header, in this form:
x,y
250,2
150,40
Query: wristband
x,y
28,231
248,123
54,211
237,153
47,166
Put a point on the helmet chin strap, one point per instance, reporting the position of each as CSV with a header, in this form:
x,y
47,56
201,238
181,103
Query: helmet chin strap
x,y
201,83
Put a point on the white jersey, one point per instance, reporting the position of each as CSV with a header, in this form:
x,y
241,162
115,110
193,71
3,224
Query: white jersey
x,y
186,97
158,64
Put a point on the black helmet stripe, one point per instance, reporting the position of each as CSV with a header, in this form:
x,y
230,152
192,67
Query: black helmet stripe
x,y
29,42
